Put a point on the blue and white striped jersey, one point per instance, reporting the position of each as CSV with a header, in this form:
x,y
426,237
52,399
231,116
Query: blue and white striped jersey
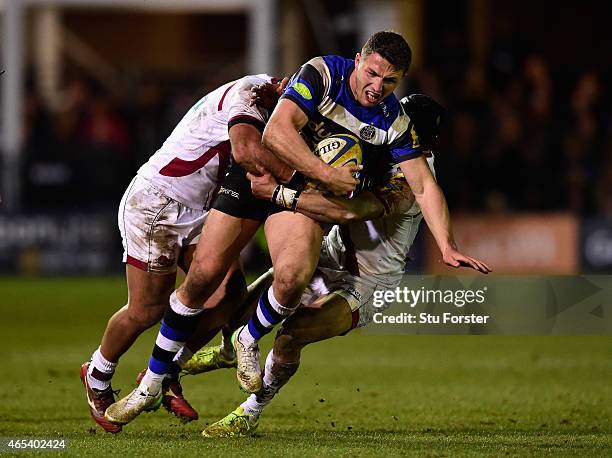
x,y
321,89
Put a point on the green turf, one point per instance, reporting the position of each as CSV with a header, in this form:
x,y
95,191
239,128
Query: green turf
x,y
353,396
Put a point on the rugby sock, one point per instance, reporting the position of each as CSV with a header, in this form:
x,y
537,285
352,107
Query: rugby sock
x,y
183,355
100,371
276,375
178,324
268,314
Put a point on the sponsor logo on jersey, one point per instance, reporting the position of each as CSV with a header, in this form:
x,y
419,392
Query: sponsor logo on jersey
x,y
367,132
303,90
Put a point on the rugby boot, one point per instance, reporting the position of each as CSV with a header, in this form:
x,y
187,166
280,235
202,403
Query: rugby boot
x,y
98,402
248,368
236,424
206,360
172,398
126,409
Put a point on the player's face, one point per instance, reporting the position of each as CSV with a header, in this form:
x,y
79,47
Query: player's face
x,y
374,79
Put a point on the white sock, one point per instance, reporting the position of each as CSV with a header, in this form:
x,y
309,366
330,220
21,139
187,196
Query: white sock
x,y
276,375
151,382
103,365
180,308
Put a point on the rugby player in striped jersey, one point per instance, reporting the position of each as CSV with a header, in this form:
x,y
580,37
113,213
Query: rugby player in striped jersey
x,y
357,260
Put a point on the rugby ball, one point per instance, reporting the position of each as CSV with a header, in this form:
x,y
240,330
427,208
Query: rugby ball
x,y
338,150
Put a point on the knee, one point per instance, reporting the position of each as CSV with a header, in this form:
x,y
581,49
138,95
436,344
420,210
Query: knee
x,y
142,318
292,279
198,284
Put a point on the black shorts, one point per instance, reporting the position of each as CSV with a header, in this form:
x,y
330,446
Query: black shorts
x,y
236,199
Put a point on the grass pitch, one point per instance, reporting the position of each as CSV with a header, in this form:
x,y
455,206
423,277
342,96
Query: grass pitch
x,y
354,395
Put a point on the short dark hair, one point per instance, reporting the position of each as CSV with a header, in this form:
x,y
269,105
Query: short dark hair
x,y
390,45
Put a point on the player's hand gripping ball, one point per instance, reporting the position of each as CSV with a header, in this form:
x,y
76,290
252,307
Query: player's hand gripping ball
x,y
337,151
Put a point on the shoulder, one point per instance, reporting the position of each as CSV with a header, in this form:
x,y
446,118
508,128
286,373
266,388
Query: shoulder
x,y
330,67
338,63
399,122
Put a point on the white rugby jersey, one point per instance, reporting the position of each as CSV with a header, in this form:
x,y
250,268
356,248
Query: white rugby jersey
x,y
191,164
379,247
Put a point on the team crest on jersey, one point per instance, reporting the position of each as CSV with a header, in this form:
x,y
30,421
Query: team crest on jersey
x,y
367,132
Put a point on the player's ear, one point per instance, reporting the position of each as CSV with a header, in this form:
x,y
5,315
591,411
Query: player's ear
x,y
357,59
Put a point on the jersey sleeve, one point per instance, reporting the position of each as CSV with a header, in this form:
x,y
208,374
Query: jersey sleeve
x,y
309,85
404,142
240,110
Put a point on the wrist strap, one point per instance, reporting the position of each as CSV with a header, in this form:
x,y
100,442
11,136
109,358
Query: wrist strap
x,y
286,197
275,193
294,202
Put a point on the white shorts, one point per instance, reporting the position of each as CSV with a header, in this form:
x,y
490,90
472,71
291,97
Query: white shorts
x,y
357,291
155,228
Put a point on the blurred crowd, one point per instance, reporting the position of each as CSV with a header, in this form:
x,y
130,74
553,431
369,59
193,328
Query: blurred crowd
x,y
521,135
518,136
86,150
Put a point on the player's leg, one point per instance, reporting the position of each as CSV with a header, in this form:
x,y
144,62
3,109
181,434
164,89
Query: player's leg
x,y
226,305
236,215
222,356
148,296
147,299
221,241
217,309
152,242
327,317
294,241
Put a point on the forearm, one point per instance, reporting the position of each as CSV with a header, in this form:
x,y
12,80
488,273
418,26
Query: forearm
x,y
249,152
274,165
435,211
340,210
286,144
325,209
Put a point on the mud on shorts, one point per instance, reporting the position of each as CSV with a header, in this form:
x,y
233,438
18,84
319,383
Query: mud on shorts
x,y
155,228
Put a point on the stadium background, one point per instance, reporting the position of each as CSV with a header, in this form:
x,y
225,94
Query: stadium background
x,y
91,88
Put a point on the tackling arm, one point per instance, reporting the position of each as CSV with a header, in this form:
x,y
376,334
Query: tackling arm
x,y
249,152
364,206
325,209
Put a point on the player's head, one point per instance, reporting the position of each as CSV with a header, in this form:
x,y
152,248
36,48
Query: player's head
x,y
392,47
379,67
427,115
